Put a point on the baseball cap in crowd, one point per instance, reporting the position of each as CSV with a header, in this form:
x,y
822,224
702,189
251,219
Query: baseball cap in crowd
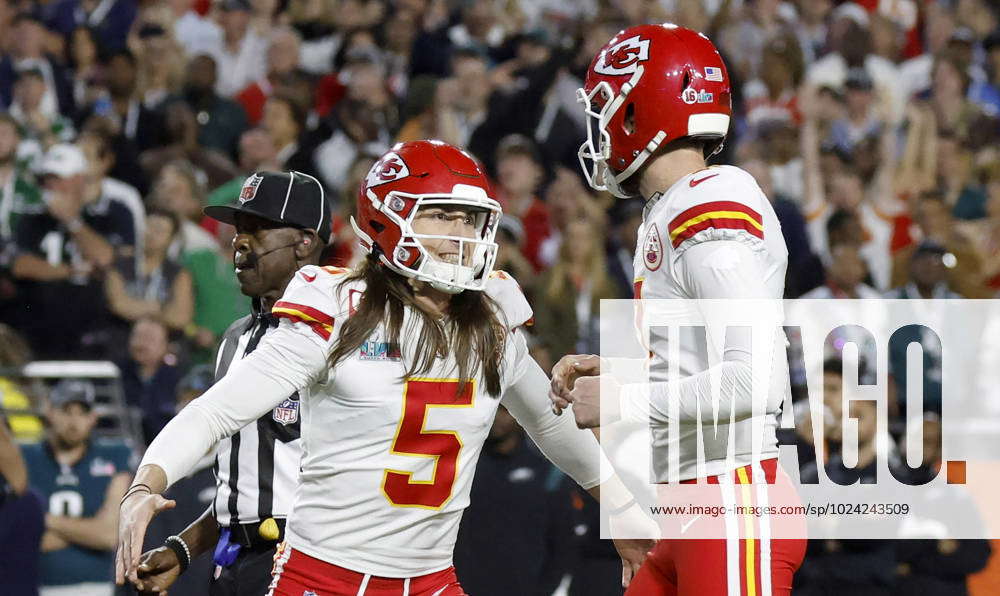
x,y
63,160
70,391
292,198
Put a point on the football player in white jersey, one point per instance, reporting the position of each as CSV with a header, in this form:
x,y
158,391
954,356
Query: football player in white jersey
x,y
400,367
657,100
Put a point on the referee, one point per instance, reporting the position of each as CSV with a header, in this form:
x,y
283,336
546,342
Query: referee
x,y
282,224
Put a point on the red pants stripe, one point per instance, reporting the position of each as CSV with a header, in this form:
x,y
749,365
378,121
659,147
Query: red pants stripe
x,y
298,574
748,561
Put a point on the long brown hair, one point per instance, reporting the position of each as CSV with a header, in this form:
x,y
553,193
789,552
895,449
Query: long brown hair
x,y
476,334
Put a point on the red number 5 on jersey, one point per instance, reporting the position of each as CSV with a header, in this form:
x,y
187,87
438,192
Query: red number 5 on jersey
x,y
419,395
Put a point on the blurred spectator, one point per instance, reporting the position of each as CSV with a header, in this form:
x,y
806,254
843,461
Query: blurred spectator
x,y
40,127
282,62
804,270
519,176
82,480
82,57
521,519
567,304
928,273
934,224
509,258
150,374
935,566
18,193
771,96
217,296
939,29
138,125
626,217
62,252
195,33
220,120
845,276
361,122
985,233
21,520
109,19
241,52
948,98
744,41
285,122
256,153
864,567
27,50
181,143
567,199
102,190
155,284
160,66
850,44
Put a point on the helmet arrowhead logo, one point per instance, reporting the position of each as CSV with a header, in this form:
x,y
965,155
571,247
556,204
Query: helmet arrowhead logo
x,y
388,169
623,57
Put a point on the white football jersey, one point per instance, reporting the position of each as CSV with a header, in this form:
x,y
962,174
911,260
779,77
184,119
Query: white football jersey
x,y
387,464
719,203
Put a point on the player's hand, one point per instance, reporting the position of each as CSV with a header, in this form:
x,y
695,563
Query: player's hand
x,y
633,552
134,516
158,570
638,537
564,376
586,400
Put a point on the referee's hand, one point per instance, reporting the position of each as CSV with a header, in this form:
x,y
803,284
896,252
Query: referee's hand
x,y
137,510
158,570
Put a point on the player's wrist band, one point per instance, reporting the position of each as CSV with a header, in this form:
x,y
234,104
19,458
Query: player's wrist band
x,y
623,508
180,548
74,224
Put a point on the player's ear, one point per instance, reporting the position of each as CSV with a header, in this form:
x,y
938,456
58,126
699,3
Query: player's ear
x,y
308,243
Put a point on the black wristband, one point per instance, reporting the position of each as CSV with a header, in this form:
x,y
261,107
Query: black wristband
x,y
176,544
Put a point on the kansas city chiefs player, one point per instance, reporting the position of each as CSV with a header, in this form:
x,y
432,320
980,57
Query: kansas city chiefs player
x,y
657,100
400,367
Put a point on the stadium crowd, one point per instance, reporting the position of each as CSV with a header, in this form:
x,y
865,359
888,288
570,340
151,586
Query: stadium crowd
x,y
873,126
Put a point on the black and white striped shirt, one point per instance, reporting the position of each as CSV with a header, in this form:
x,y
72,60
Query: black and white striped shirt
x,y
257,469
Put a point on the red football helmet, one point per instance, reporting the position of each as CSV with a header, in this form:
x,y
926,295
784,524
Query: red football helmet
x,y
650,85
414,175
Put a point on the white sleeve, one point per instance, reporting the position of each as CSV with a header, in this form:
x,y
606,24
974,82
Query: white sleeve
x,y
574,451
287,360
717,269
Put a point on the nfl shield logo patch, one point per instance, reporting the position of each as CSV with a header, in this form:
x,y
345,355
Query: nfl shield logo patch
x,y
249,190
308,593
287,412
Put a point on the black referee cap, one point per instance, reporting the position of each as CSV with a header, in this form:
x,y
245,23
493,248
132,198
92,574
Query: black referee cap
x,y
292,198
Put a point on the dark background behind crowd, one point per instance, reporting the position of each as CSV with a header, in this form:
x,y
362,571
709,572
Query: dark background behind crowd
x,y
871,125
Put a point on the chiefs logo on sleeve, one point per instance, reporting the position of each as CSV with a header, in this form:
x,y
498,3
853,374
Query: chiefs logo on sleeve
x,y
623,57
388,169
